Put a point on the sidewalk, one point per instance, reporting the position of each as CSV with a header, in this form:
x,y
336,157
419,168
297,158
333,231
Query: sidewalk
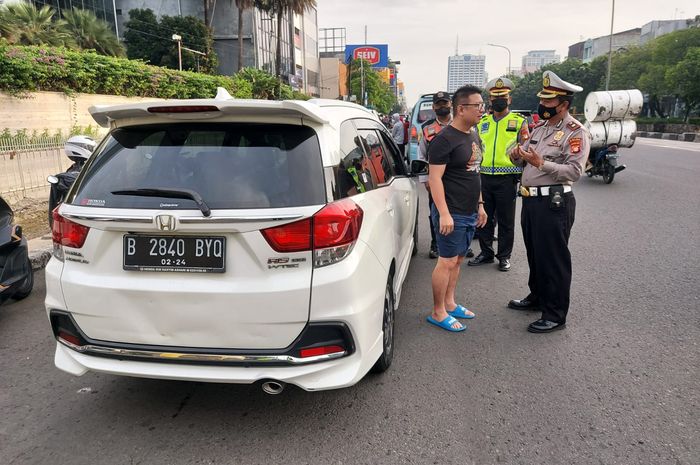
x,y
685,137
40,250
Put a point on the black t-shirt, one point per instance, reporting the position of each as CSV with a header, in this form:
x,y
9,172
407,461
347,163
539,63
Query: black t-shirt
x,y
461,153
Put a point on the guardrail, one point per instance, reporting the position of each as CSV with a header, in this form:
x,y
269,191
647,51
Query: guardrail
x,y
25,162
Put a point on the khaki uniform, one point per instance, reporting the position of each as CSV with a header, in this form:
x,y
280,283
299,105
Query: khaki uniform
x,y
564,148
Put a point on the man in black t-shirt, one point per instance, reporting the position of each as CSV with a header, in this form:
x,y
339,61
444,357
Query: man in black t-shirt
x,y
454,156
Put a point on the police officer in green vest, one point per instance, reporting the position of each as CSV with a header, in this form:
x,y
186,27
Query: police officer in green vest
x,y
499,176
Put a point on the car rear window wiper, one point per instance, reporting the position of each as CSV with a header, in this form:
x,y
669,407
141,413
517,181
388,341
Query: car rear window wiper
x,y
169,193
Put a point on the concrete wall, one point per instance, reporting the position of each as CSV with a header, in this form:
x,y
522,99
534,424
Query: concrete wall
x,y
54,111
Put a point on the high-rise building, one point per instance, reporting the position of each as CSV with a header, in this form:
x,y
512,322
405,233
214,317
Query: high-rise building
x,y
536,59
465,69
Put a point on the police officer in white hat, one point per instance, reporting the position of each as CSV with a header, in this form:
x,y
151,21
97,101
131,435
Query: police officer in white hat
x,y
552,160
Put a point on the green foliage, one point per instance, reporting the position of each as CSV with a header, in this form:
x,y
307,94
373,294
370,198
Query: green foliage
x,y
90,32
35,68
151,41
24,24
684,79
379,95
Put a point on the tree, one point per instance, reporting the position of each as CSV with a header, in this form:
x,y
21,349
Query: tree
x,y
195,35
684,79
23,24
142,37
379,95
242,5
89,32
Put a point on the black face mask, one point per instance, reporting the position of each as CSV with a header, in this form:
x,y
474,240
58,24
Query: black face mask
x,y
499,105
442,111
546,112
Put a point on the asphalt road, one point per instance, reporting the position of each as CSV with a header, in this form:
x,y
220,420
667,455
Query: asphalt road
x,y
618,386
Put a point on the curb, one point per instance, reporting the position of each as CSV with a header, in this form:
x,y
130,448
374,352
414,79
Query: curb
x,y
685,137
39,258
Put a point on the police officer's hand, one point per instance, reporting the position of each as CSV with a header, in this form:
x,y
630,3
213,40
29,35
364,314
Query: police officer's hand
x,y
482,218
532,157
447,224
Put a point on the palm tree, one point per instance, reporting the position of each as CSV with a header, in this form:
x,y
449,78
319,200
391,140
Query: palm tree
x,y
277,9
90,32
242,5
23,24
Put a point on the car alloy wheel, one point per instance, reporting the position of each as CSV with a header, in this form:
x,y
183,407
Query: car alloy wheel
x,y
388,331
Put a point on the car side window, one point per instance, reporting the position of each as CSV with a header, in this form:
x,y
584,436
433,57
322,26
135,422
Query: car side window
x,y
393,155
353,174
382,167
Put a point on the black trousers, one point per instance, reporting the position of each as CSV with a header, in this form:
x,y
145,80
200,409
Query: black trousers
x,y
433,244
546,234
499,192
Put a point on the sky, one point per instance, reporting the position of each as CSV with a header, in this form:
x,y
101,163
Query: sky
x,y
423,33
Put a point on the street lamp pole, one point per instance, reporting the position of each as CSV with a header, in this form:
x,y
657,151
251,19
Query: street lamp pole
x,y
612,21
503,46
178,39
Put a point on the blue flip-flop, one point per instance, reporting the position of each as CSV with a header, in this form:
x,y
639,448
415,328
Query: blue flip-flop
x,y
462,312
446,324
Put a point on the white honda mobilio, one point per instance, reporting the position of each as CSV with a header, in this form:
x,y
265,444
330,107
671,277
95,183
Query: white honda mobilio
x,y
234,241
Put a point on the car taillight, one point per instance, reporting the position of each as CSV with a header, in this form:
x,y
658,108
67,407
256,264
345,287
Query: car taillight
x,y
414,133
331,233
66,233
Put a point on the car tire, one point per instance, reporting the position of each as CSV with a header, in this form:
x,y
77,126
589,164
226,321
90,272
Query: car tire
x,y
26,288
384,361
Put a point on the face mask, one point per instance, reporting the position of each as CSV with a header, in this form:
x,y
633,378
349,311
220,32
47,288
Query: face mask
x,y
499,105
546,112
442,111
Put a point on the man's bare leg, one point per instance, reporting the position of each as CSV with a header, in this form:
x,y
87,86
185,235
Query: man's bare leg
x,y
442,275
450,302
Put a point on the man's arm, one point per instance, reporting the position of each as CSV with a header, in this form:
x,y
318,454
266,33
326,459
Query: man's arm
x,y
437,190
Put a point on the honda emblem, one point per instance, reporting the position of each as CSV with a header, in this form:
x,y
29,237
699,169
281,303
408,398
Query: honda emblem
x,y
165,222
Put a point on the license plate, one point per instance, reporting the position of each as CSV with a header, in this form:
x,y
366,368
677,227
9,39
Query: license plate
x,y
187,254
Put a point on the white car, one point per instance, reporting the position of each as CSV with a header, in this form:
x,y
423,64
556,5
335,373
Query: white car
x,y
234,241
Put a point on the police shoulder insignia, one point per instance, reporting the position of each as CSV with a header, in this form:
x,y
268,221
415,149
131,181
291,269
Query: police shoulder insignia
x,y
575,144
512,124
573,125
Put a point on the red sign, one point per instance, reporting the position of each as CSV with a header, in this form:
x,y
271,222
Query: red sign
x,y
370,54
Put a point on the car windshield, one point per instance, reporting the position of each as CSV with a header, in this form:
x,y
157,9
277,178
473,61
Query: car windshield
x,y
425,112
230,165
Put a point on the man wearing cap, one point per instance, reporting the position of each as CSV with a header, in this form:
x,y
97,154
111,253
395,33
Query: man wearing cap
x,y
552,161
442,106
499,176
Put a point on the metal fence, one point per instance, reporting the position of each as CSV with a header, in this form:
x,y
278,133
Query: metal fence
x,y
25,162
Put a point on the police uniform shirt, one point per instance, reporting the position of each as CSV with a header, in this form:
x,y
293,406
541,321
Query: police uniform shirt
x,y
564,147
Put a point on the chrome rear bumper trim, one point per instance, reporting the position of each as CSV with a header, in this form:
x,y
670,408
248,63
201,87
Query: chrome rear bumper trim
x,y
110,218
236,219
189,357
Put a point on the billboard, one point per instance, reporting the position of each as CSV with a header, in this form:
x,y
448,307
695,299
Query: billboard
x,y
377,55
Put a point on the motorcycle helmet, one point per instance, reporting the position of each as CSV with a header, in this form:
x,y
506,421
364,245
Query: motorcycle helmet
x,y
79,148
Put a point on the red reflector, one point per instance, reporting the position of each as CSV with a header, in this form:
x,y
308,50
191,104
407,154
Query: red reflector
x,y
315,351
68,337
183,109
337,223
291,237
414,132
67,233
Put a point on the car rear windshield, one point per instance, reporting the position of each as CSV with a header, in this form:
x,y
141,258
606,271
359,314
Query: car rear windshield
x,y
425,111
231,165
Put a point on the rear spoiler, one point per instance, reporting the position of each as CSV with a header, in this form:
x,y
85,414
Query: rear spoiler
x,y
105,114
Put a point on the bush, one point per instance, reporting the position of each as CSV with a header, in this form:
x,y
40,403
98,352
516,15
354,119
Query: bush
x,y
39,68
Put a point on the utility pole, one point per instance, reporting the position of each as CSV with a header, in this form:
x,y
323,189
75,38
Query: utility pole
x,y
178,39
612,21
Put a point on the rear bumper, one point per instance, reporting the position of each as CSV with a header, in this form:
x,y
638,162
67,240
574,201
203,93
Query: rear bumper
x,y
331,374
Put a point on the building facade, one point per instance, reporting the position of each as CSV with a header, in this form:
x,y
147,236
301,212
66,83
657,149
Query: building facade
x,y
536,59
465,69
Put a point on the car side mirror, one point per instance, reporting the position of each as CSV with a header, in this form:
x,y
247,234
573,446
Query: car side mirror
x,y
419,167
52,179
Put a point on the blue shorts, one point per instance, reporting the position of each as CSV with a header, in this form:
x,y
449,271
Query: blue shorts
x,y
457,242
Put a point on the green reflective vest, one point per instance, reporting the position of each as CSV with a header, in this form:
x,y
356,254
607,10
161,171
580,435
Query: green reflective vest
x,y
496,137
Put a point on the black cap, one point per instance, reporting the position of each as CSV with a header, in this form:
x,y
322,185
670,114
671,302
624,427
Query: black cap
x,y
441,96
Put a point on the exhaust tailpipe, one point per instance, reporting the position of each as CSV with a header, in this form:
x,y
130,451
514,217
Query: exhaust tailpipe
x,y
273,387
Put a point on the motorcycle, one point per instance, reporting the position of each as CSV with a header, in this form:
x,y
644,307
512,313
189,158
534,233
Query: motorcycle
x,y
603,162
16,274
78,149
